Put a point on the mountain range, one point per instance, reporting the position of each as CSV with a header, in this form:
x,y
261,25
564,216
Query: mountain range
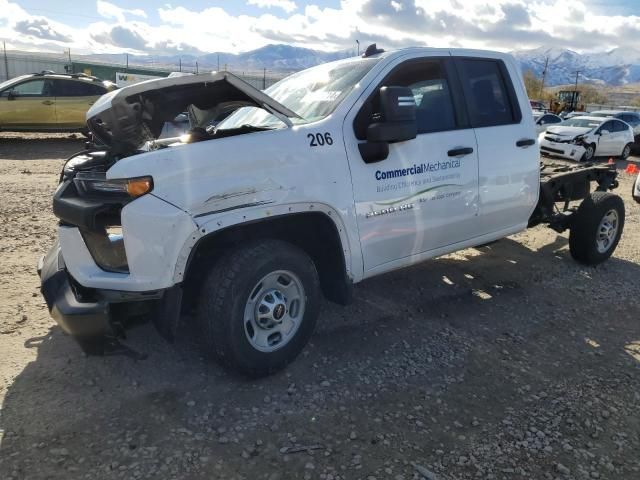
x,y
614,68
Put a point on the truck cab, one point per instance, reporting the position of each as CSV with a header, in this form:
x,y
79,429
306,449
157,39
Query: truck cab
x,y
335,174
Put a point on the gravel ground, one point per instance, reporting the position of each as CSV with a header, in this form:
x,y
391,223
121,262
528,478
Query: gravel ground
x,y
504,362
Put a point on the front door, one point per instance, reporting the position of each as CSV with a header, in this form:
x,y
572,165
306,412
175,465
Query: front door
x,y
423,196
606,139
28,105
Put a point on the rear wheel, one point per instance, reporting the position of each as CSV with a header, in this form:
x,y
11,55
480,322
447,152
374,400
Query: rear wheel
x,y
259,306
596,228
626,151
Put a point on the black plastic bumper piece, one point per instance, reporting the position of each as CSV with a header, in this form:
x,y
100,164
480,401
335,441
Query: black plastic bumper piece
x,y
86,213
80,319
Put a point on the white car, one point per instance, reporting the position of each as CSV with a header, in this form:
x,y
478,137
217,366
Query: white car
x,y
636,189
583,138
545,120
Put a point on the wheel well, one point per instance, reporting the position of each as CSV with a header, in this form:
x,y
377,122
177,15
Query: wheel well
x,y
313,232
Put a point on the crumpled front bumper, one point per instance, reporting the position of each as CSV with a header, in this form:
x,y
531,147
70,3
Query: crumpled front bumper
x,y
76,316
569,151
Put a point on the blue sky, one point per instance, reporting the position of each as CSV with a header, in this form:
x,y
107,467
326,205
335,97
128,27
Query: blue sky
x,y
200,26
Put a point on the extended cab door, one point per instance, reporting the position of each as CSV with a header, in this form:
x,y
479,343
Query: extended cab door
x,y
424,194
509,156
28,105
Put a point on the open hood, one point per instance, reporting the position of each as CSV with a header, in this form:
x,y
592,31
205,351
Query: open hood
x,y
127,118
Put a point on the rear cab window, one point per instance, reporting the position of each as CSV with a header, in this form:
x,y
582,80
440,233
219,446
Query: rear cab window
x,y
490,96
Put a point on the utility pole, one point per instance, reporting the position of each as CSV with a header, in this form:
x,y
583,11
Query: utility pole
x,y
6,61
127,59
574,97
180,63
264,79
544,75
69,56
218,69
358,43
196,67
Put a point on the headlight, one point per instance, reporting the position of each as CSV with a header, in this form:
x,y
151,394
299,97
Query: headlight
x,y
578,140
96,184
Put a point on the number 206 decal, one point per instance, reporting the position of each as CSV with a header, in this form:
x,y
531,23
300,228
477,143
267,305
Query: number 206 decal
x,y
319,139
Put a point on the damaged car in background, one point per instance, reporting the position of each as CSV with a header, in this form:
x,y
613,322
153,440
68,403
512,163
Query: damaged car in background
x,y
584,138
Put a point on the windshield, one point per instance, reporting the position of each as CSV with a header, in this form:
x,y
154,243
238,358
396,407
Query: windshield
x,y
581,122
312,94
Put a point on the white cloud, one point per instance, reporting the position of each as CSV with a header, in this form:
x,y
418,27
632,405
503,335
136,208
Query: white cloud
x,y
286,5
109,10
495,24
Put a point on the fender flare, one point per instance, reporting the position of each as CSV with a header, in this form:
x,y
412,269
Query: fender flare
x,y
213,224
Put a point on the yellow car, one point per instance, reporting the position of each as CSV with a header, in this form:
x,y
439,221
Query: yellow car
x,y
49,102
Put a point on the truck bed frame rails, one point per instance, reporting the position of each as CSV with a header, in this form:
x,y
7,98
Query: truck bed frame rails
x,y
561,182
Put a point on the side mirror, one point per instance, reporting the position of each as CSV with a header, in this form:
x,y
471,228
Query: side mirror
x,y
12,95
397,124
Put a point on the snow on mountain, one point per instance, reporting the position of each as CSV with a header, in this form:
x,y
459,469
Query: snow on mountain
x,y
616,67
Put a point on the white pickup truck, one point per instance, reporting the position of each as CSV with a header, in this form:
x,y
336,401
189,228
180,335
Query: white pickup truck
x,y
335,174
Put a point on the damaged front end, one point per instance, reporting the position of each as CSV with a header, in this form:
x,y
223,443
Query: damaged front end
x,y
124,120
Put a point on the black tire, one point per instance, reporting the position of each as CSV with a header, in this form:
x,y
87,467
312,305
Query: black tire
x,y
589,155
626,151
224,296
585,226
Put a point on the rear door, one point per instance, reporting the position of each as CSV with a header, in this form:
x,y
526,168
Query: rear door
x,y
423,196
509,178
73,99
28,105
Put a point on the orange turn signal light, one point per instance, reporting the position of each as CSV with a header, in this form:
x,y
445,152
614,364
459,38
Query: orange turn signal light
x,y
137,187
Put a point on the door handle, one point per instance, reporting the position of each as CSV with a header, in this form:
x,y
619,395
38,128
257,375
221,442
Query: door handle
x,y
527,142
47,102
458,152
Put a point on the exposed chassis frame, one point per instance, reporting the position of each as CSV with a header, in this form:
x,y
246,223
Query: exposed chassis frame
x,y
564,183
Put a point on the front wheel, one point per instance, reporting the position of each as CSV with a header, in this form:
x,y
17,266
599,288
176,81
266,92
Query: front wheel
x,y
259,306
589,153
596,228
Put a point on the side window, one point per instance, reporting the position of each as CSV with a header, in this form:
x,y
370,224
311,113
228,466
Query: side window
x,y
619,127
608,126
34,88
431,91
547,119
75,88
491,99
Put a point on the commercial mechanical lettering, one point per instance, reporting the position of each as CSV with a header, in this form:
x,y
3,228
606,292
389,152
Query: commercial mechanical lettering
x,y
418,169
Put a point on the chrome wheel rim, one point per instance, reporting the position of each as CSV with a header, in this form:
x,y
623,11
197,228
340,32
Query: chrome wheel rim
x,y
589,152
274,311
626,151
607,231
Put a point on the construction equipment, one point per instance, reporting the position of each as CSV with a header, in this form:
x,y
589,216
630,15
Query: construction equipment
x,y
566,101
